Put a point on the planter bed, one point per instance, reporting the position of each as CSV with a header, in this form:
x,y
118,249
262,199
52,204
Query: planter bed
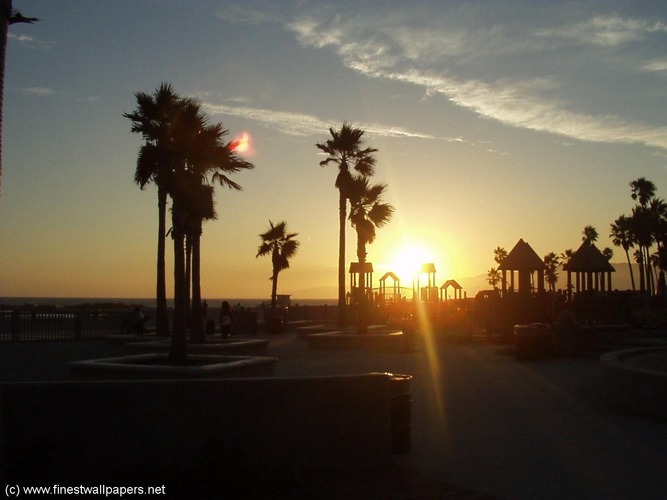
x,y
155,365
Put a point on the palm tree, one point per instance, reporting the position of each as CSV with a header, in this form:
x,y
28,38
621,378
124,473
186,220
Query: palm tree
x,y
210,161
367,213
642,190
499,255
621,235
344,149
282,246
153,119
201,207
552,261
8,16
493,277
590,234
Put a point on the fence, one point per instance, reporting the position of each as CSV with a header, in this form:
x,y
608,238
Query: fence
x,y
56,324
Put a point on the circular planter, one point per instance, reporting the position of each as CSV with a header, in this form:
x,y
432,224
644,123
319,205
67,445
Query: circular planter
x,y
156,366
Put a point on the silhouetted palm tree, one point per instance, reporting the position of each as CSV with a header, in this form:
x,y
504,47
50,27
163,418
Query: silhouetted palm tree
x,y
621,235
8,16
642,190
344,149
590,234
499,255
367,213
493,277
153,119
282,246
552,261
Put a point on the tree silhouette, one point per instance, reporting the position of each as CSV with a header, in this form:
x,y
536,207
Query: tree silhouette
x,y
499,255
621,235
345,150
282,246
590,234
552,261
367,213
493,277
152,119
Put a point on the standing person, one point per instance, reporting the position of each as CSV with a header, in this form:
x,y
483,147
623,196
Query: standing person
x,y
225,319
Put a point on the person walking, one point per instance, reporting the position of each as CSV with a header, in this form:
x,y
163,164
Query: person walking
x,y
225,319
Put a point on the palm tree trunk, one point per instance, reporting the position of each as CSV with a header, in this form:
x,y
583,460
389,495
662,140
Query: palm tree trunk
x,y
196,321
274,291
342,211
362,326
161,314
178,348
188,277
632,274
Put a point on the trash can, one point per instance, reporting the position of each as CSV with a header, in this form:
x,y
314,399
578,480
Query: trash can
x,y
400,390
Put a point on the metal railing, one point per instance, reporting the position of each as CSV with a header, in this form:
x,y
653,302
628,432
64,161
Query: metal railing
x,y
25,325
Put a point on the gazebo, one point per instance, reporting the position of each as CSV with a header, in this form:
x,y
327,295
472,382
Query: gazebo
x,y
427,293
356,287
395,293
457,289
592,270
525,261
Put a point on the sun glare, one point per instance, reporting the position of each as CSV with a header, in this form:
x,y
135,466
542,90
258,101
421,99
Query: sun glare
x,y
242,144
408,261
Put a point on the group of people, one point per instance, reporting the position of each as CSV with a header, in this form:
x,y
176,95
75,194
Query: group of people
x,y
136,321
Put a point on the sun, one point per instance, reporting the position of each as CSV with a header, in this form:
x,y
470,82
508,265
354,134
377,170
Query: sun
x,y
407,262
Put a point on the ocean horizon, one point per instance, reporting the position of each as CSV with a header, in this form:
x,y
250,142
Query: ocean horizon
x,y
148,302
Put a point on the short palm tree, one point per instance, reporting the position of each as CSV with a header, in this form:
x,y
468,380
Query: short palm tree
x,y
642,190
367,213
493,277
282,246
552,261
345,149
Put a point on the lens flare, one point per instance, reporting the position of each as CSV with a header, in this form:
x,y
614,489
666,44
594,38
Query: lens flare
x,y
242,144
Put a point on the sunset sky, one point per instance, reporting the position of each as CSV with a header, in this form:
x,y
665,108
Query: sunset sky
x,y
493,121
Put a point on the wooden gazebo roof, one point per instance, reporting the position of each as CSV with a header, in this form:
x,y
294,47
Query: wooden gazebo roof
x,y
451,283
522,258
389,275
357,267
588,258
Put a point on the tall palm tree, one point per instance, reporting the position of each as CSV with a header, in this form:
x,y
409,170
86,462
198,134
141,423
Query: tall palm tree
x,y
8,16
367,213
210,161
345,149
552,261
642,190
590,234
282,246
153,119
201,207
621,235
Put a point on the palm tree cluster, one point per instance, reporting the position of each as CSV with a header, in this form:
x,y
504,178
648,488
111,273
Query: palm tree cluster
x,y
183,155
646,229
367,210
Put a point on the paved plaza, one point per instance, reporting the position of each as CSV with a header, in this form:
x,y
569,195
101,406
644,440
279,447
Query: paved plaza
x,y
484,424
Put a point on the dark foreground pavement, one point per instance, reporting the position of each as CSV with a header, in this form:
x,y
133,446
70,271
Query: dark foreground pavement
x,y
484,425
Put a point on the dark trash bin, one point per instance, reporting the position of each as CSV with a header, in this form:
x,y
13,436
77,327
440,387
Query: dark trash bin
x,y
400,390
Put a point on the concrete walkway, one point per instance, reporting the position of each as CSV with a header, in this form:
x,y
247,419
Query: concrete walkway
x,y
484,425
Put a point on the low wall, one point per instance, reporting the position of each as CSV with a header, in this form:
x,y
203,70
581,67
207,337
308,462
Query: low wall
x,y
83,432
636,380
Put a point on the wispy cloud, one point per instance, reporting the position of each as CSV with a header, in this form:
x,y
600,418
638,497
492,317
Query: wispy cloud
x,y
299,124
518,99
607,31
656,66
38,91
29,41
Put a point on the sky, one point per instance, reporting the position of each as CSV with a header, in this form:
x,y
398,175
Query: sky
x,y
493,121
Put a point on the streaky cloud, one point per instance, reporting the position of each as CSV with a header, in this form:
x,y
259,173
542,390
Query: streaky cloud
x,y
522,102
299,124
